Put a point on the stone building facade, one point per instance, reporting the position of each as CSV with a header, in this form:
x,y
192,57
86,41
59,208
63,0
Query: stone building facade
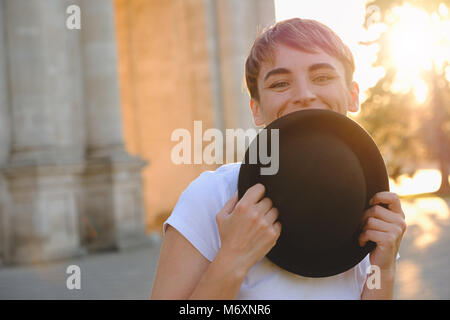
x,y
86,114
181,61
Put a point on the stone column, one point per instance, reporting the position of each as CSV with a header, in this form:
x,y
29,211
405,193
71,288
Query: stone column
x,y
5,142
5,133
47,134
113,213
239,22
233,26
213,41
100,78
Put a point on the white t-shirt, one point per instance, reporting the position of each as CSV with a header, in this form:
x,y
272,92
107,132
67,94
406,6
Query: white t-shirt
x,y
194,216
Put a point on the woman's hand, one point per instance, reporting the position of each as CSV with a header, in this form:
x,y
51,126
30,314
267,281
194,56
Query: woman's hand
x,y
248,228
385,227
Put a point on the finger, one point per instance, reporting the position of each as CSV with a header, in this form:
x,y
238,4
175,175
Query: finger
x,y
264,205
378,225
255,193
277,228
272,215
389,198
371,235
381,213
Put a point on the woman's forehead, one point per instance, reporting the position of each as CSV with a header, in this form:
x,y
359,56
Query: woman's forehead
x,y
298,60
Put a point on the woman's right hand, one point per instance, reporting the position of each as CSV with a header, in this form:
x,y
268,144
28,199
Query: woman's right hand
x,y
248,228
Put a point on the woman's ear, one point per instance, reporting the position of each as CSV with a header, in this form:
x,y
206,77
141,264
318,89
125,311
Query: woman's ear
x,y
354,104
256,112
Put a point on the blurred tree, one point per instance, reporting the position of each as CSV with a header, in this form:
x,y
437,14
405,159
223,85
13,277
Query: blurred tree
x,y
408,130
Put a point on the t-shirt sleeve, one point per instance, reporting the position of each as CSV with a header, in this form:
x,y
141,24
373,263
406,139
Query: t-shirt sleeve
x,y
194,215
362,269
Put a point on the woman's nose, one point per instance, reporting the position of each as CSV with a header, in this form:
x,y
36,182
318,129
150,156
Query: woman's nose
x,y
303,95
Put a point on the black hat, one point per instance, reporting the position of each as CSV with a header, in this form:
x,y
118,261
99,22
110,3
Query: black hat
x,y
328,170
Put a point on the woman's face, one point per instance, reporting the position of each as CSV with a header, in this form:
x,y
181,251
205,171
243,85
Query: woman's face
x,y
298,80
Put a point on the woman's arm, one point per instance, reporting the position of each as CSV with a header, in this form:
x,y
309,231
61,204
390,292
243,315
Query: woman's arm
x,y
248,230
184,273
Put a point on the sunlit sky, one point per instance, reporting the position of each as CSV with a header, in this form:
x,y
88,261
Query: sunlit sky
x,y
417,40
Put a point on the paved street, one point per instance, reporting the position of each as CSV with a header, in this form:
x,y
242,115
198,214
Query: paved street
x,y
423,270
108,275
424,267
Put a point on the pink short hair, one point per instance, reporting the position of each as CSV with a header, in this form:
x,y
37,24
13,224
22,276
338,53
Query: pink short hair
x,y
302,34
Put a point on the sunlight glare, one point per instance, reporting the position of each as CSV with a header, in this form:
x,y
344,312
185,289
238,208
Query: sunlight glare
x,y
447,73
423,181
443,10
418,41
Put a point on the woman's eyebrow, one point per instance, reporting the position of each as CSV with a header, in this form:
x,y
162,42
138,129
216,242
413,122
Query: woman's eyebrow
x,y
321,66
310,69
277,71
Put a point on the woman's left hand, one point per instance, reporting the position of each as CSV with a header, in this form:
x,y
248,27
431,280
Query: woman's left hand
x,y
385,227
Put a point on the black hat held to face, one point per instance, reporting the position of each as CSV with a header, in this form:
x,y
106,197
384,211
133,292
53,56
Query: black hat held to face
x,y
329,168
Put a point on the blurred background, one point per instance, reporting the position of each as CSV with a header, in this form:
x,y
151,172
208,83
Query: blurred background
x,y
92,90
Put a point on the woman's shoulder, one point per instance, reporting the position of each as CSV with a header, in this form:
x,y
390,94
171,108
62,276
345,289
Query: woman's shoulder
x,y
223,180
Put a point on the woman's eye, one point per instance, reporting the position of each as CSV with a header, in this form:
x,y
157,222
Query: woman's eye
x,y
279,84
322,78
